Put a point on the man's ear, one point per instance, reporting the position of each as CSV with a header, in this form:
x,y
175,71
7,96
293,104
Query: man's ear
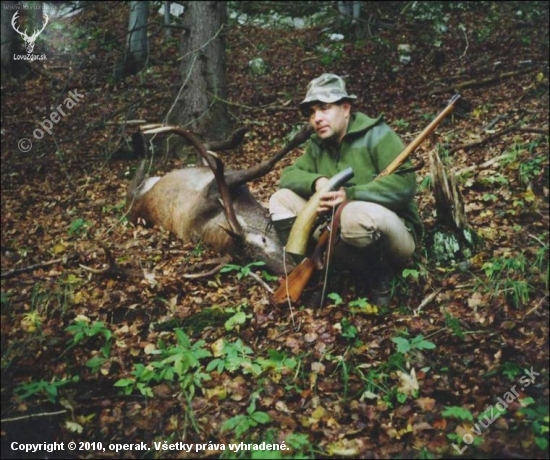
x,y
346,106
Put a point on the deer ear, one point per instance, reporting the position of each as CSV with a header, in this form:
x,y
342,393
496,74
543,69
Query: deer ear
x,y
236,236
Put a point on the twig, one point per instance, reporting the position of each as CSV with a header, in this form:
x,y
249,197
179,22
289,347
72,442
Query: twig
x,y
536,306
112,268
221,262
537,239
126,122
493,122
484,165
467,44
31,268
261,282
426,301
26,417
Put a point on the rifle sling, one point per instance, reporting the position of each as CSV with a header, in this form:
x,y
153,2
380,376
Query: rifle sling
x,y
333,230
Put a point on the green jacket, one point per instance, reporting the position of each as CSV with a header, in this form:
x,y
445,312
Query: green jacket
x,y
368,147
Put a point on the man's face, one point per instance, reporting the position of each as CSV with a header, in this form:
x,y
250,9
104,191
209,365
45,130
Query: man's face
x,y
330,120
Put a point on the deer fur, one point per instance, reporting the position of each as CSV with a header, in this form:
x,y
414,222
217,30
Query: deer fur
x,y
198,204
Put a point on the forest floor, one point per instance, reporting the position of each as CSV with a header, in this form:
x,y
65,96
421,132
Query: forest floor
x,y
156,358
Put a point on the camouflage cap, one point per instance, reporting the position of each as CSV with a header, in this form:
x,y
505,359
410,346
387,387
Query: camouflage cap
x,y
327,88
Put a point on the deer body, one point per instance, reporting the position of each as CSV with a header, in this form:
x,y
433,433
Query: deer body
x,y
205,204
184,203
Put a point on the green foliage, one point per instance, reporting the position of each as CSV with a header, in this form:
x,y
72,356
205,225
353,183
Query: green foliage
x,y
458,412
234,356
405,345
337,298
426,183
425,454
50,389
531,169
120,206
198,250
244,422
538,416
489,197
401,123
511,370
453,324
81,329
445,247
4,299
79,227
349,331
238,319
241,271
180,362
362,305
503,273
278,361
332,53
300,444
344,367
494,179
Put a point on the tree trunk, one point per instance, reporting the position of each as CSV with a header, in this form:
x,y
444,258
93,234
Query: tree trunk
x,y
350,14
137,28
200,102
167,20
454,238
137,46
448,200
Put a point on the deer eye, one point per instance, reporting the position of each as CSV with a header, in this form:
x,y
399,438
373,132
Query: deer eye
x,y
264,240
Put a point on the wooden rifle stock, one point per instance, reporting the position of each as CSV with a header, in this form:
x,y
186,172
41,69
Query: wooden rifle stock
x,y
292,287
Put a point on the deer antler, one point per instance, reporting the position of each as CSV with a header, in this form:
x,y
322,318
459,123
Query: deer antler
x,y
15,27
237,178
213,162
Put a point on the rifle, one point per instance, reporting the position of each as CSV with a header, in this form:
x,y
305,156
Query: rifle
x,y
292,287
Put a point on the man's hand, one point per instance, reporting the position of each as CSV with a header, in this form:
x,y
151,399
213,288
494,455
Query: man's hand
x,y
329,200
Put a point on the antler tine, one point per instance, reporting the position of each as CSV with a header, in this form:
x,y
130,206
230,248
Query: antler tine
x,y
238,178
213,162
37,32
15,27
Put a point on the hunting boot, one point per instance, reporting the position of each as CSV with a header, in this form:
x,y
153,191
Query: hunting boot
x,y
381,274
282,228
368,269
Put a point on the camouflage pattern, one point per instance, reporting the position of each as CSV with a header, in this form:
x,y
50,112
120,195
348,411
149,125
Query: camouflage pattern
x,y
327,88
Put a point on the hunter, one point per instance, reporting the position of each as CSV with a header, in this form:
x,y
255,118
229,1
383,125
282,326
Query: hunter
x,y
379,223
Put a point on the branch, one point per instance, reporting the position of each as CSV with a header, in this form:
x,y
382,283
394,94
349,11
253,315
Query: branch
x,y
472,83
488,163
26,417
31,268
221,262
112,268
495,135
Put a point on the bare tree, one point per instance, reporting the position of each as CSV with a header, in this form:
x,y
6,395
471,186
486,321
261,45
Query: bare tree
x,y
200,101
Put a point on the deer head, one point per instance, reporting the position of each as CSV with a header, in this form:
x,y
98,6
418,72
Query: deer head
x,y
29,41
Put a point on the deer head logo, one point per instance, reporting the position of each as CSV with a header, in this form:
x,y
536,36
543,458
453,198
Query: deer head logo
x,y
29,41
